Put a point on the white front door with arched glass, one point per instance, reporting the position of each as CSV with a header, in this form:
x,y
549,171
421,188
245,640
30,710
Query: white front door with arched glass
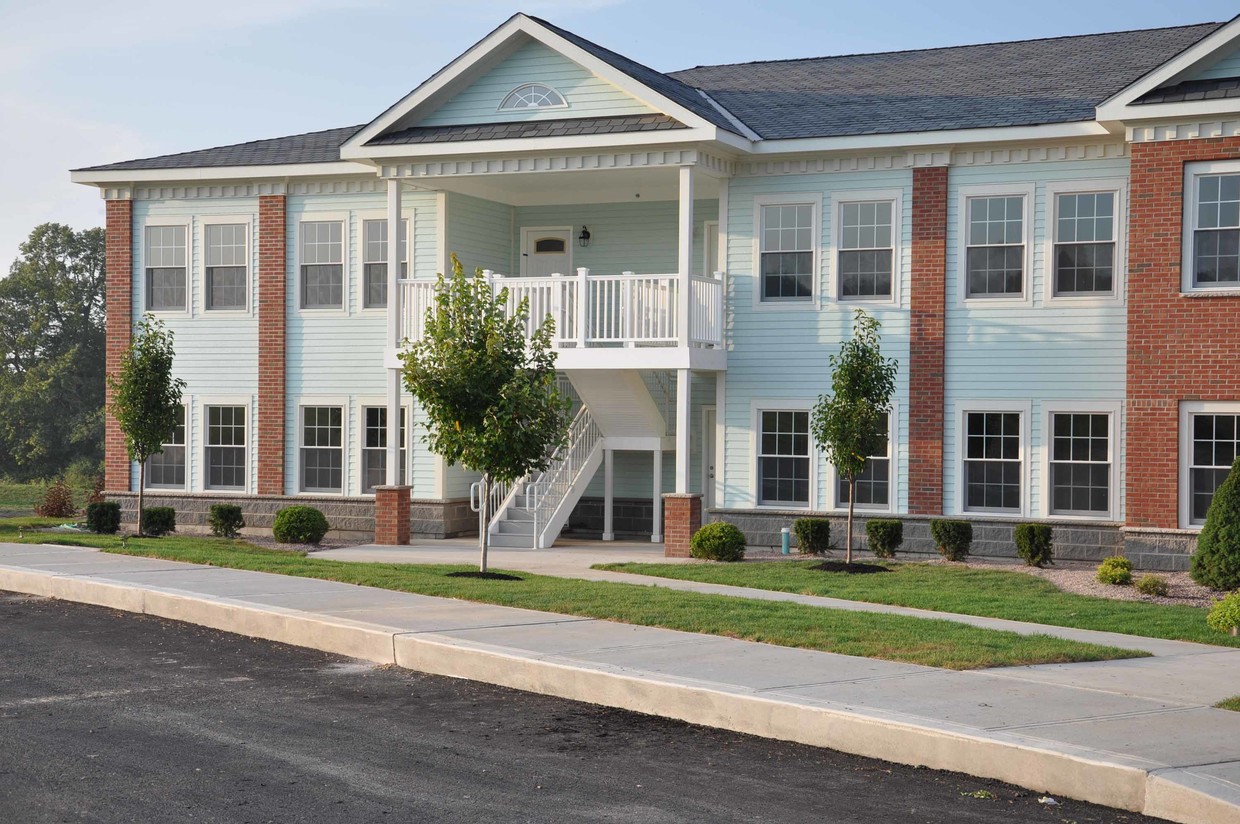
x,y
546,251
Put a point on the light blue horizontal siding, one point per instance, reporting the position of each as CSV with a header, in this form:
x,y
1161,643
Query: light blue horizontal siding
x,y
1227,66
586,94
480,233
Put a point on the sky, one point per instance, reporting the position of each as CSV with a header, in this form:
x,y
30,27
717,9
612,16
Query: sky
x,y
85,82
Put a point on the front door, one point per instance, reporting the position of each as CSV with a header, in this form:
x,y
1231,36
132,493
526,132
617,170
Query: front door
x,y
708,457
546,252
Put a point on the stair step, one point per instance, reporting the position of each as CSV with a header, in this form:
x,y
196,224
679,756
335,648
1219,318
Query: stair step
x,y
516,527
513,541
515,514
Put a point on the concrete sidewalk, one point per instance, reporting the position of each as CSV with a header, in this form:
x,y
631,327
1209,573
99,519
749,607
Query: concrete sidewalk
x,y
1137,737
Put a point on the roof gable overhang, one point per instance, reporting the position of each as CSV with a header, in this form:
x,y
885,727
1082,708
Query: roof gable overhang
x,y
493,48
1123,106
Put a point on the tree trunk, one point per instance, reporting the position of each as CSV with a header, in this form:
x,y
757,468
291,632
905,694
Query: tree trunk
x,y
141,492
484,522
852,496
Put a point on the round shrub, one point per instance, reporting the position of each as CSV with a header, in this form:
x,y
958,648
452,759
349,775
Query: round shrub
x,y
158,521
953,538
299,525
57,502
813,535
226,520
1033,543
1216,563
104,517
718,542
884,536
1153,585
1224,616
1116,570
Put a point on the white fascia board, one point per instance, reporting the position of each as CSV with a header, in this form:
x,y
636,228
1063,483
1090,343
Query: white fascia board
x,y
520,145
1227,108
219,173
946,137
1195,56
355,147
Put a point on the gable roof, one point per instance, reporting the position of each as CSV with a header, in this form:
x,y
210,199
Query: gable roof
x,y
310,147
615,124
1217,88
1023,83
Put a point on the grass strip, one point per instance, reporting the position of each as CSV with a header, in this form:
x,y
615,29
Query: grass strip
x,y
1232,704
1016,596
946,644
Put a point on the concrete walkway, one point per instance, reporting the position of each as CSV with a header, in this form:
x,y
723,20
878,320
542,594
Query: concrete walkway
x,y
1137,737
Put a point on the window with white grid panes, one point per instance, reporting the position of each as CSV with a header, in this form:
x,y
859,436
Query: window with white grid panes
x,y
374,448
786,252
1084,245
993,467
225,453
1213,446
1080,463
374,261
165,261
1216,231
166,468
322,449
874,482
995,249
322,264
783,458
866,249
226,266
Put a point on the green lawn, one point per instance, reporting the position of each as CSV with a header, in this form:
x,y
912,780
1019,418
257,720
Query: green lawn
x,y
992,593
897,638
1232,704
20,499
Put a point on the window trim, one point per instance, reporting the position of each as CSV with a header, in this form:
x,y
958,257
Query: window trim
x,y
756,408
346,437
185,445
1119,188
526,84
835,282
343,218
246,220
815,201
963,408
964,194
156,222
199,442
1187,410
893,475
1113,409
1188,226
362,217
364,403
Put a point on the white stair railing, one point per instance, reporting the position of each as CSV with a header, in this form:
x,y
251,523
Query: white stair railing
x,y
548,491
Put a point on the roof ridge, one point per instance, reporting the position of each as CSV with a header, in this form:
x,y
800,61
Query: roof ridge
x,y
940,48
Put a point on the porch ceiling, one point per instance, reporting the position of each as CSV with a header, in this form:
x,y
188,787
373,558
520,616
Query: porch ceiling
x,y
595,186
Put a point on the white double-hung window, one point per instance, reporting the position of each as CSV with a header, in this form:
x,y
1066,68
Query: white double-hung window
x,y
322,449
866,249
227,272
993,459
1212,226
322,264
166,468
374,447
783,458
165,255
874,483
995,248
375,262
1209,445
1085,254
786,251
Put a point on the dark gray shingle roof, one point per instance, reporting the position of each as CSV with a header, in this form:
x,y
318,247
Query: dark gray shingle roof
x,y
1029,82
312,147
1216,89
529,128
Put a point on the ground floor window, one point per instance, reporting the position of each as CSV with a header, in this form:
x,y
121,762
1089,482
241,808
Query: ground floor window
x,y
374,450
783,458
992,464
874,482
225,447
166,468
1213,443
1080,463
322,449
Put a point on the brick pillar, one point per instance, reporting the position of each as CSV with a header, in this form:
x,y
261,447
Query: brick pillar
x,y
392,515
272,268
118,275
682,516
927,312
1179,349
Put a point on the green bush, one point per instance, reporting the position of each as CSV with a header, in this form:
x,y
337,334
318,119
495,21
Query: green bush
x,y
1216,563
953,538
158,521
885,536
813,535
1115,570
718,542
226,520
1033,543
1225,614
104,518
1153,585
57,502
299,525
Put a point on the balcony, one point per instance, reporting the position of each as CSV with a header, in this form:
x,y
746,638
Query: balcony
x,y
605,321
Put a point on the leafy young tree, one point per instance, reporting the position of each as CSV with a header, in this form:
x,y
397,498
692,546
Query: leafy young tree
x,y
489,395
146,399
847,424
52,353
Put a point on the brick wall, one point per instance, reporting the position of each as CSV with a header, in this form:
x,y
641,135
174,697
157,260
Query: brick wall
x,y
1178,348
392,515
682,517
927,310
272,266
118,273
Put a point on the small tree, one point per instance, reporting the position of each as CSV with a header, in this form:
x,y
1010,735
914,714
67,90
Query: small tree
x,y
489,394
847,424
146,399
1216,563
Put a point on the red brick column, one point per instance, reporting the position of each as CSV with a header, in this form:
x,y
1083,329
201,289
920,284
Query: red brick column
x,y
272,268
118,277
392,515
927,311
1178,348
682,516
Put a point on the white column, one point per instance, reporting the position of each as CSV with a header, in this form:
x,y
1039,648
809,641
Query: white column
x,y
722,228
684,380
393,329
609,493
721,441
583,306
685,256
657,532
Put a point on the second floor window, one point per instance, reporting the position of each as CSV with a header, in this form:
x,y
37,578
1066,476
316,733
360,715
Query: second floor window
x,y
866,250
165,262
1084,254
786,252
322,265
1216,232
374,261
995,247
226,266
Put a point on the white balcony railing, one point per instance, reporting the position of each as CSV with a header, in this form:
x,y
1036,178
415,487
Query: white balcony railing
x,y
596,310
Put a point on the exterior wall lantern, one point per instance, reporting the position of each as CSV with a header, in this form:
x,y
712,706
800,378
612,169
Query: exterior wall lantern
x,y
583,239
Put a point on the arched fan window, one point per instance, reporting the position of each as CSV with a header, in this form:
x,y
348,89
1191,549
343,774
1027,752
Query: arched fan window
x,y
533,96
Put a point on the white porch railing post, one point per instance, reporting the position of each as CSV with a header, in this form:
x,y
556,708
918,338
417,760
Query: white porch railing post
x,y
629,303
684,379
393,330
583,306
656,534
609,492
685,256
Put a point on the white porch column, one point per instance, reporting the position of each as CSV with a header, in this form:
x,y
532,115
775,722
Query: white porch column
x,y
393,330
684,380
685,257
656,535
609,493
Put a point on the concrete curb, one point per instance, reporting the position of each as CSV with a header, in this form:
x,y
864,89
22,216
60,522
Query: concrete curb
x,y
1182,795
